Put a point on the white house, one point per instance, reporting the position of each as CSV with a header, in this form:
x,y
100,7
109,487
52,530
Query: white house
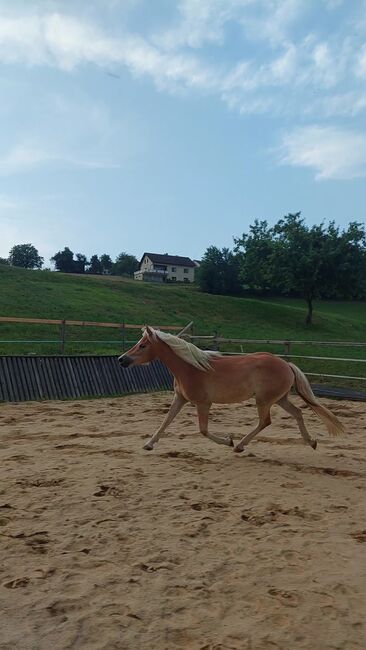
x,y
159,268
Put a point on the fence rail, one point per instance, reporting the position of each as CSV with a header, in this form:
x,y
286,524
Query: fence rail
x,y
220,339
82,323
287,345
64,323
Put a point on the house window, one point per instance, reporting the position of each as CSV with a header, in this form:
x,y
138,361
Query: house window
x,y
174,269
186,280
185,270
174,279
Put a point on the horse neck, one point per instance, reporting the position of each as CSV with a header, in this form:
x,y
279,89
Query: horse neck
x,y
176,365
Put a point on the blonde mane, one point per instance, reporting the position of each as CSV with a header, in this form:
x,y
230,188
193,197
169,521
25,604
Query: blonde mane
x,y
187,351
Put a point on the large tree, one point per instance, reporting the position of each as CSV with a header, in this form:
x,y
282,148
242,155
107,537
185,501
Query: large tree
x,y
125,264
219,272
319,261
80,263
26,256
64,260
95,265
106,263
255,252
311,261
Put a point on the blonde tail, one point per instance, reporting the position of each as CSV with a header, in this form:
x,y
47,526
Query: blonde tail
x,y
334,426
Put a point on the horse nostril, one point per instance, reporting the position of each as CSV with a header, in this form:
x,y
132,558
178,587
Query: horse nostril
x,y
125,361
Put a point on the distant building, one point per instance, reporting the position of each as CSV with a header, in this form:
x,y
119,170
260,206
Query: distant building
x,y
159,268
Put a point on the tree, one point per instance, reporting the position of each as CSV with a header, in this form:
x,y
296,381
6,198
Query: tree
x,y
319,261
256,250
314,262
299,262
25,256
95,265
219,272
4,260
125,264
64,260
80,263
347,267
106,263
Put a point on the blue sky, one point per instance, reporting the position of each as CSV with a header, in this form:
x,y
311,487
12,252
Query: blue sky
x,y
170,125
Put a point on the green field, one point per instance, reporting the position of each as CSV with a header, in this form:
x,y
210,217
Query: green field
x,y
44,294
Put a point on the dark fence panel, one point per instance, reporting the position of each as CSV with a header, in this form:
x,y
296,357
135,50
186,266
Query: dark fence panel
x,y
42,378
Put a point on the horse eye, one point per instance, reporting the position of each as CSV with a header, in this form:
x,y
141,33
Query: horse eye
x,y
142,346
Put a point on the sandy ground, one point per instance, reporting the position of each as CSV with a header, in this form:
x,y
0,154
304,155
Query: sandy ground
x,y
106,546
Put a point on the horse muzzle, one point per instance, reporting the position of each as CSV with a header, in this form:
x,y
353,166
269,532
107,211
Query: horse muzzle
x,y
125,361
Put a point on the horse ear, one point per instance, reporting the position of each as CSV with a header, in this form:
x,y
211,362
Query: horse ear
x,y
148,331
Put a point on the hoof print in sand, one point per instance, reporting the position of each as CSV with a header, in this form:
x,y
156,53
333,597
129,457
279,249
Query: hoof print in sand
x,y
16,583
359,536
288,598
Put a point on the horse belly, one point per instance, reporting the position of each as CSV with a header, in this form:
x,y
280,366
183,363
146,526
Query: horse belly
x,y
231,393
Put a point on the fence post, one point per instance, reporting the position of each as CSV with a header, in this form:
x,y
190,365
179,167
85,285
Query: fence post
x,y
123,334
185,329
215,341
62,336
287,345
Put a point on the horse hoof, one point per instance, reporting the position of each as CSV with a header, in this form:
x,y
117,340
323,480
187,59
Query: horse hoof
x,y
314,444
149,446
231,442
238,449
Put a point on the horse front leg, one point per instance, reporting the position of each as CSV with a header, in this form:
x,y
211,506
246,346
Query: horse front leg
x,y
177,404
202,412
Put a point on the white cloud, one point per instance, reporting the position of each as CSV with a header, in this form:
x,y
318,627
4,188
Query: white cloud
x,y
360,68
201,22
272,20
23,157
67,42
287,74
348,104
333,4
331,152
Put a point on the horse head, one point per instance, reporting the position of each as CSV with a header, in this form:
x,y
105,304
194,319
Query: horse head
x,y
143,352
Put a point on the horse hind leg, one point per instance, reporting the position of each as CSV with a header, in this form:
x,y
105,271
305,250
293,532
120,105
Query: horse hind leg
x,y
290,408
264,421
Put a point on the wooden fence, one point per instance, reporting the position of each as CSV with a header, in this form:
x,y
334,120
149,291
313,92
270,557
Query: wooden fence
x,y
123,328
287,345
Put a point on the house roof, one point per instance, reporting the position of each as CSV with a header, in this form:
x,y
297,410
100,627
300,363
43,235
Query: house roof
x,y
176,260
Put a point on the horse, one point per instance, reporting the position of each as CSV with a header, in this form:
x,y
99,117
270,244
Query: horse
x,y
203,378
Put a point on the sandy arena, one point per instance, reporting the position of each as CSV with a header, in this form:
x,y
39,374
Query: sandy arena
x,y
106,546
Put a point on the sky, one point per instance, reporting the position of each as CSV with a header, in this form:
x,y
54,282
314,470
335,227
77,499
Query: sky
x,y
170,125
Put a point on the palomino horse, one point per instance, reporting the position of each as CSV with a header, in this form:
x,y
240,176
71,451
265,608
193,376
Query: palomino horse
x,y
204,378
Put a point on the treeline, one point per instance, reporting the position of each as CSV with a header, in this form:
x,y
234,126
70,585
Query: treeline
x,y
290,259
26,256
